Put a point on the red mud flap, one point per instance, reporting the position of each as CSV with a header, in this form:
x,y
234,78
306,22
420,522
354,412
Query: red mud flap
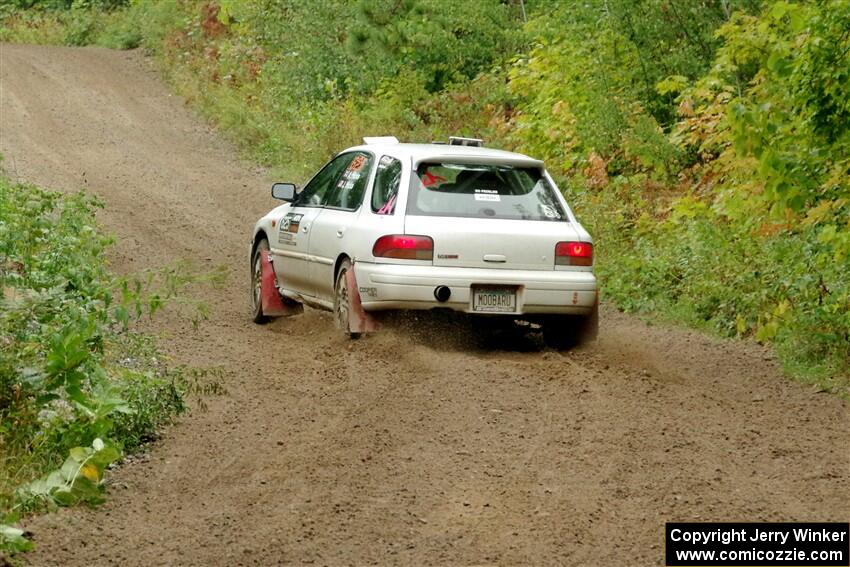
x,y
274,304
359,321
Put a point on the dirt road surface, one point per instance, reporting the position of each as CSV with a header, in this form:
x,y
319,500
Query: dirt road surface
x,y
395,449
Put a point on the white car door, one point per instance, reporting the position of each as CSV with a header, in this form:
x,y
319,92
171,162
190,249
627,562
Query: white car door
x,y
339,214
290,245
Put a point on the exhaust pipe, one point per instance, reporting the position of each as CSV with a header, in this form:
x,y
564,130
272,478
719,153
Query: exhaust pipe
x,y
442,293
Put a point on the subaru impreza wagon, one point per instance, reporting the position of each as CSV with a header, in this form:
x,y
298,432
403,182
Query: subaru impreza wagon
x,y
397,226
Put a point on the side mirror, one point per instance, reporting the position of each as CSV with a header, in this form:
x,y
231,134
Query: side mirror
x,y
283,191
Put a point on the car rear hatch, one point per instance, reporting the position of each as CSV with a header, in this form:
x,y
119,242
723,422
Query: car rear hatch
x,y
488,214
492,243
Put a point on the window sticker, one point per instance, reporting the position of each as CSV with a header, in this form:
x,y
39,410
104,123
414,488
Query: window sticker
x,y
291,222
549,212
388,207
487,195
357,163
289,225
348,179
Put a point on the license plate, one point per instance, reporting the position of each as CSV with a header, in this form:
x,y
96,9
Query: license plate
x,y
493,299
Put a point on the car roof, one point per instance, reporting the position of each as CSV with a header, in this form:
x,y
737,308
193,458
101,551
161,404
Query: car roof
x,y
438,152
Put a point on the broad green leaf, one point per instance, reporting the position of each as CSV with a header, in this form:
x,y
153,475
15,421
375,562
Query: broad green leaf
x,y
64,497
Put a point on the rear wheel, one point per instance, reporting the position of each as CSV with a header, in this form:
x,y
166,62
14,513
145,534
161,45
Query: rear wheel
x,y
257,283
568,331
342,301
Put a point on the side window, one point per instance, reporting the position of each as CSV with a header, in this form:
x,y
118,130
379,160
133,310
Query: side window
x,y
347,191
314,192
387,182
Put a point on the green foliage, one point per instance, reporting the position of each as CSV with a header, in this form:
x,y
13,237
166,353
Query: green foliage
x,y
71,371
602,78
794,117
55,304
69,4
117,24
444,41
80,478
154,399
713,274
13,539
759,246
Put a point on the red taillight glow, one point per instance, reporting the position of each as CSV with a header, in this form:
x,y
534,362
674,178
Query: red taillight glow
x,y
404,246
574,254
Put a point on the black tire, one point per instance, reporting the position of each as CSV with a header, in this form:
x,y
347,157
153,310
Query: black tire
x,y
342,302
256,283
569,331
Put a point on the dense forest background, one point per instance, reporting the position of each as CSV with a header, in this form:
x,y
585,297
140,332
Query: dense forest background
x,y
704,143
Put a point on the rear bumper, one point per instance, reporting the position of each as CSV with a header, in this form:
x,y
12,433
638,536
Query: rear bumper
x,y
396,286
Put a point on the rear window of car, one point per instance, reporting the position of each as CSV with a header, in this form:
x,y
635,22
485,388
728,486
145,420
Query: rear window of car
x,y
483,191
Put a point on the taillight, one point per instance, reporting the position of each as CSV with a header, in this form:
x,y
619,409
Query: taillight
x,y
574,254
404,246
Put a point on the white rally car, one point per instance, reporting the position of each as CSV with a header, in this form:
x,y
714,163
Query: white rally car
x,y
393,226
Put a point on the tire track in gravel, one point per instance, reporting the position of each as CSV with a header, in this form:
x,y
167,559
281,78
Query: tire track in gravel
x,y
399,448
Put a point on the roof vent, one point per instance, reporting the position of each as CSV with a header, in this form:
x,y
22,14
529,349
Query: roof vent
x,y
458,141
371,140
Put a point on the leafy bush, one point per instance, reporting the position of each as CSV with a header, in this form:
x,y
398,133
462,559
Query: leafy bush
x,y
76,386
108,23
69,4
590,84
759,244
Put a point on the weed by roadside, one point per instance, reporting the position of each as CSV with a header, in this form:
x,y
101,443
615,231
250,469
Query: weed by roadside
x,y
79,25
78,388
